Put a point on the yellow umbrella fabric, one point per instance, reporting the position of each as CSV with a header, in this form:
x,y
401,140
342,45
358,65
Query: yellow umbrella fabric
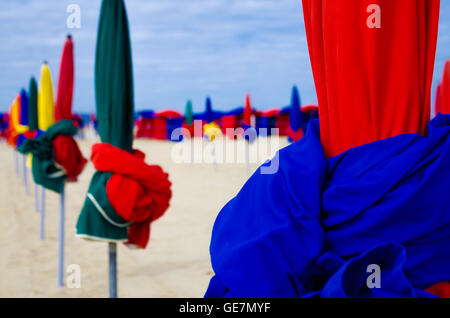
x,y
46,103
212,131
15,117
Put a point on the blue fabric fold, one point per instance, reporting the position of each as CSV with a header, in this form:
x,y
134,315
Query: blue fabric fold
x,y
312,228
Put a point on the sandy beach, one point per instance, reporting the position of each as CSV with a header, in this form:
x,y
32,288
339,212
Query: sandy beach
x,y
176,262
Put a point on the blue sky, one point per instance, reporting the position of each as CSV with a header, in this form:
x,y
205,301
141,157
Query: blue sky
x,y
181,50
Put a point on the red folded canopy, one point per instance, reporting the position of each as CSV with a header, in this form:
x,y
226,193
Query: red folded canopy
x,y
373,63
443,94
63,106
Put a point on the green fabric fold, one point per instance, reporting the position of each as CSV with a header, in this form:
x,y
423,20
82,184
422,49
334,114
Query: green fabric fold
x,y
45,171
98,219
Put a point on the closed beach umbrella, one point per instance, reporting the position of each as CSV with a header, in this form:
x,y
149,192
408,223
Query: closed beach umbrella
x,y
294,112
63,106
23,108
129,193
16,117
189,116
33,105
438,100
46,106
209,111
33,124
247,111
444,106
66,150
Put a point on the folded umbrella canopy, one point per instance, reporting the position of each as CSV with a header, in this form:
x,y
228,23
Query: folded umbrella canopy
x,y
443,92
188,123
23,116
307,224
23,107
144,190
16,128
46,106
63,106
295,116
33,105
67,152
247,112
372,83
438,100
189,115
125,194
209,112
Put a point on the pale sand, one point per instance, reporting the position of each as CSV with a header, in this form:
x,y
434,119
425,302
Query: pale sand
x,y
176,262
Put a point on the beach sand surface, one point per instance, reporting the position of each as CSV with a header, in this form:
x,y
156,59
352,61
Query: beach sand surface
x,y
176,262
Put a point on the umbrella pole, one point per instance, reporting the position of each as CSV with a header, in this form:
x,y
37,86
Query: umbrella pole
x,y
42,234
112,270
61,240
25,175
36,197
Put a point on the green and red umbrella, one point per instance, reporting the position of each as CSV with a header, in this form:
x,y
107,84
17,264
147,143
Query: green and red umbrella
x,y
125,194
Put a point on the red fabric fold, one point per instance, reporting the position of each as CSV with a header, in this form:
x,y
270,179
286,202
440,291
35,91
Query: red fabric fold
x,y
372,83
68,155
63,104
441,290
444,91
138,192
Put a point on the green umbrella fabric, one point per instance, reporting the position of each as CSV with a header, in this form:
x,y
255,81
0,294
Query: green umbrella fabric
x,y
45,171
189,114
114,77
115,114
32,105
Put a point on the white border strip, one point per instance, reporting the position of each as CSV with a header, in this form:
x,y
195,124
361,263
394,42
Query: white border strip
x,y
103,213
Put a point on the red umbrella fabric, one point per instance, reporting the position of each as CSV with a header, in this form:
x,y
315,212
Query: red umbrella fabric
x,y
379,55
438,100
66,151
247,110
444,94
63,107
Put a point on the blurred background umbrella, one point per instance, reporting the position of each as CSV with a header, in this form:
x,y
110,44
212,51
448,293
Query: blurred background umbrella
x,y
33,124
63,106
46,106
209,111
23,107
189,120
248,111
63,110
247,124
444,105
32,105
295,116
189,116
46,118
24,122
